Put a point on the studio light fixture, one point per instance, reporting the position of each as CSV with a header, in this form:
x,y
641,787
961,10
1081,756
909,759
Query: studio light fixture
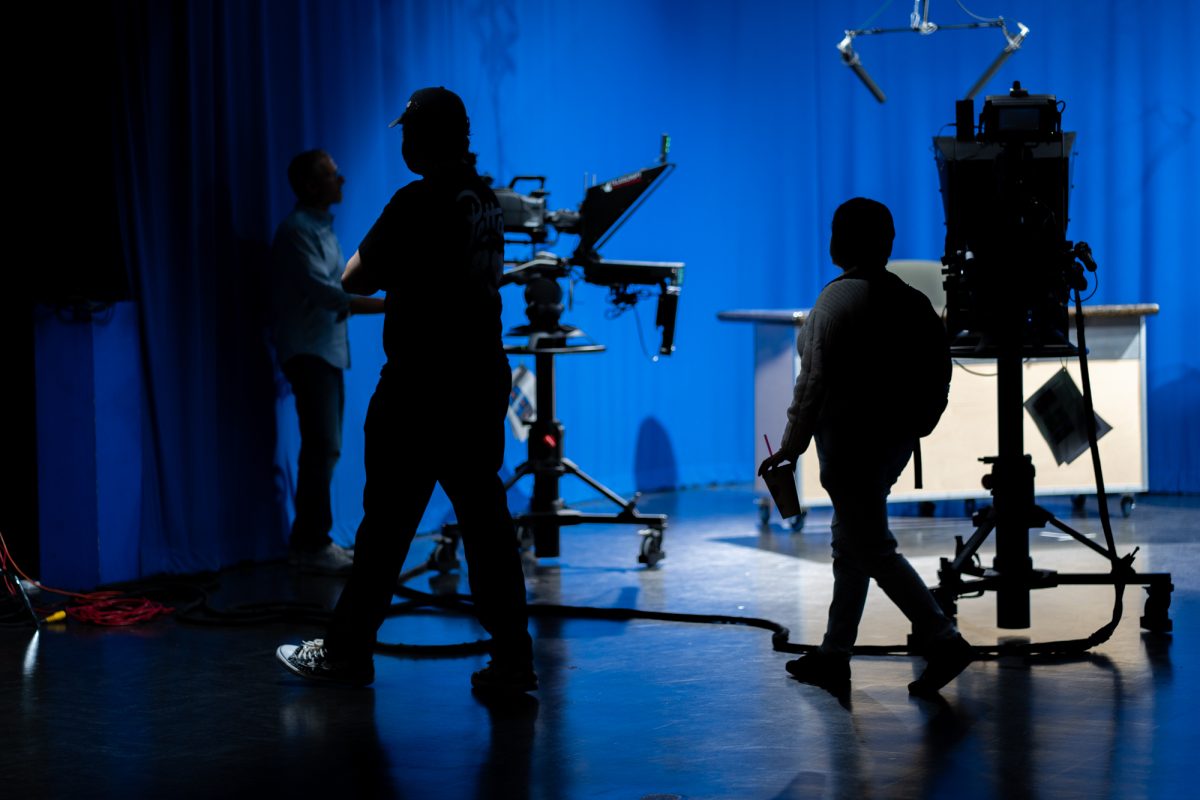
x,y
919,23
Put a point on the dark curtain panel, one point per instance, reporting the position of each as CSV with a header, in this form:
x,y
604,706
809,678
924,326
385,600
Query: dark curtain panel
x,y
195,166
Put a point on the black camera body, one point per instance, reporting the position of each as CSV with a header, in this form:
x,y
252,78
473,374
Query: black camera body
x,y
1020,117
1008,265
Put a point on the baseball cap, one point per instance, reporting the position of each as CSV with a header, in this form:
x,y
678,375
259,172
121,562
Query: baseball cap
x,y
437,105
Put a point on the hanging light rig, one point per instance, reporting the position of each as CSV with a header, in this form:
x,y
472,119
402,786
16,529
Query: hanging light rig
x,y
919,23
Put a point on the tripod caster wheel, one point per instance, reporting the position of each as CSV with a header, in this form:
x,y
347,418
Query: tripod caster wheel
x,y
444,556
1127,506
1156,617
524,537
651,551
764,511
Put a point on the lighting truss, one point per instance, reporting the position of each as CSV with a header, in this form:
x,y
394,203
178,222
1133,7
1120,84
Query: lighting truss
x,y
919,23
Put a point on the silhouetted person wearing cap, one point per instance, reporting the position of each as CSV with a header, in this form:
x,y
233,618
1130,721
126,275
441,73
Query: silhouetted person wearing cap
x,y
437,415
865,393
310,311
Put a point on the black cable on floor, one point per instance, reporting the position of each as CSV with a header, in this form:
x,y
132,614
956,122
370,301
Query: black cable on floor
x,y
195,608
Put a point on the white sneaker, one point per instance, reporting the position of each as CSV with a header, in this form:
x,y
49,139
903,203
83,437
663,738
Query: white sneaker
x,y
328,560
310,660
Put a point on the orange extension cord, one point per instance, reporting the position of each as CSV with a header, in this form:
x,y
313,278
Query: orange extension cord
x,y
111,608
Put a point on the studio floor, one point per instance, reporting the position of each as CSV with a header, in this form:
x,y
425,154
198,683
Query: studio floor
x,y
638,709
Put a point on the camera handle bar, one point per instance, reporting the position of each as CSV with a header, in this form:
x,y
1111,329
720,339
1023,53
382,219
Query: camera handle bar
x,y
547,464
1014,512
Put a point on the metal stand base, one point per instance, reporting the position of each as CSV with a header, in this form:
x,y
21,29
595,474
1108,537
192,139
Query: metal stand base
x,y
539,526
1019,583
1014,513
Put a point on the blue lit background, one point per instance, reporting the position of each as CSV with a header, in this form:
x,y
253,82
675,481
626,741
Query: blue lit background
x,y
771,132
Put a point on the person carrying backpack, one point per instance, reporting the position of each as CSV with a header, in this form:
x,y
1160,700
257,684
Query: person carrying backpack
x,y
875,376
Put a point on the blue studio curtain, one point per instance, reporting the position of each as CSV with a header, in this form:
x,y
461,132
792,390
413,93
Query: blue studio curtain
x,y
771,132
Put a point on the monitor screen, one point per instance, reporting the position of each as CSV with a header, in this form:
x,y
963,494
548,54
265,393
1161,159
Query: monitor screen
x,y
606,204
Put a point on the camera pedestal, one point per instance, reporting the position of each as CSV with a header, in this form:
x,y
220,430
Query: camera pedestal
x,y
546,463
1013,514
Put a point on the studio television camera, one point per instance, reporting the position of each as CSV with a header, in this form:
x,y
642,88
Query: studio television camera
x,y
1010,272
1009,267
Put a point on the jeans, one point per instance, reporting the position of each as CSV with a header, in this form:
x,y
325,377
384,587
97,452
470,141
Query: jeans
x,y
456,439
864,547
320,398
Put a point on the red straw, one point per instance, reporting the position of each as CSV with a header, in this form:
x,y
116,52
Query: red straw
x,y
768,441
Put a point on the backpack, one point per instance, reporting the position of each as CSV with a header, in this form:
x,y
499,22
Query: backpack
x,y
917,340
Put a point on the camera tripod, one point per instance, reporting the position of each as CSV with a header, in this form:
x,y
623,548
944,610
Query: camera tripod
x,y
1014,512
546,463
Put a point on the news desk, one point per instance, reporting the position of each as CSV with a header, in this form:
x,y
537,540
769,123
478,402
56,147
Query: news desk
x,y
1116,337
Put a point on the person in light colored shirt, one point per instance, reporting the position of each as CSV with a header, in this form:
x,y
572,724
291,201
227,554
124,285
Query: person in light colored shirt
x,y
310,312
875,372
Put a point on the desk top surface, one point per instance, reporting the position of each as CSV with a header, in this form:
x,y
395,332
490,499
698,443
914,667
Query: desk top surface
x,y
796,316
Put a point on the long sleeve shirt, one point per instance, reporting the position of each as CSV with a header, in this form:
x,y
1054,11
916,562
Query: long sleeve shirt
x,y
310,306
873,356
837,305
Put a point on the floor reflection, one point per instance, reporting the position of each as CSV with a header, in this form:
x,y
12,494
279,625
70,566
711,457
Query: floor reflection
x,y
627,709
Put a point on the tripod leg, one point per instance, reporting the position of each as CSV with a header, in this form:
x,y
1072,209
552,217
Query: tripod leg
x,y
572,468
977,539
1074,534
525,468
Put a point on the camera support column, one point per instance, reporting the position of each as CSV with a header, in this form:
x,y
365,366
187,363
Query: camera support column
x,y
546,456
1011,480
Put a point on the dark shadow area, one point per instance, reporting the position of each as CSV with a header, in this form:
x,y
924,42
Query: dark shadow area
x,y
250,384
18,434
812,542
813,546
1158,652
506,773
654,465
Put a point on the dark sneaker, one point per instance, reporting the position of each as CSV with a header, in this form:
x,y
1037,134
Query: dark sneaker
x,y
945,661
830,672
328,560
311,660
502,679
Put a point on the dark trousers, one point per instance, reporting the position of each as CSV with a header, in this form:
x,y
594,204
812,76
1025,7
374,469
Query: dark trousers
x,y
320,398
456,439
864,547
